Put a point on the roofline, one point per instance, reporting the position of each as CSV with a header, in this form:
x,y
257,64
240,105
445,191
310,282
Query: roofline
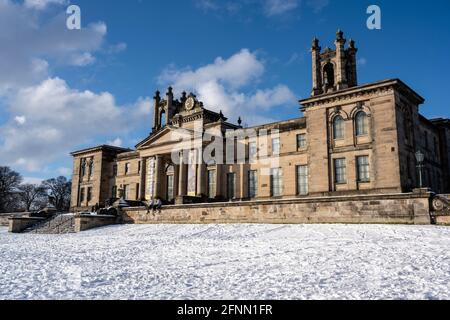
x,y
440,121
100,148
367,86
275,123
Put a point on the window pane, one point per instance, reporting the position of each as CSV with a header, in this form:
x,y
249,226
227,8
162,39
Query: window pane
x,y
340,171
276,146
252,184
276,182
363,168
301,141
231,182
212,184
302,180
338,128
126,190
252,152
170,193
361,124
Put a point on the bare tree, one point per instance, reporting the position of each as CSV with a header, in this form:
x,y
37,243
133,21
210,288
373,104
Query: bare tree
x,y
9,184
32,195
60,189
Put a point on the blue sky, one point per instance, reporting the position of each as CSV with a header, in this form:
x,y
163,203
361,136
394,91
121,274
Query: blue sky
x,y
63,90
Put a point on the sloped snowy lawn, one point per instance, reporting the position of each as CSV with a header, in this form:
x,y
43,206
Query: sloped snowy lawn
x,y
229,262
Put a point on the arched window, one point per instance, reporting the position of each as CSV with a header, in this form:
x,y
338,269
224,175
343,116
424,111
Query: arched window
x,y
361,124
338,128
328,74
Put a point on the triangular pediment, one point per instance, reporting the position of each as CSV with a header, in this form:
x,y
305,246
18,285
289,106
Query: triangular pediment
x,y
166,136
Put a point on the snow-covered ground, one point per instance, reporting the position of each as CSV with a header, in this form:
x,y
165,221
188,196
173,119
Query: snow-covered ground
x,y
229,262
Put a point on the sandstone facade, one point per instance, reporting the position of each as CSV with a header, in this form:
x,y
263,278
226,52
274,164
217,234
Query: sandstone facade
x,y
353,140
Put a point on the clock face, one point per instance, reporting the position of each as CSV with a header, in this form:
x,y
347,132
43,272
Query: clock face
x,y
190,103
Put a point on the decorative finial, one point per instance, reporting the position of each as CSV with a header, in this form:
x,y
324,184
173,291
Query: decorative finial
x,y
240,122
169,90
352,44
157,94
339,35
315,43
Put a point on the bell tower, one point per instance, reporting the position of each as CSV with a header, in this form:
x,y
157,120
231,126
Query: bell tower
x,y
163,110
333,70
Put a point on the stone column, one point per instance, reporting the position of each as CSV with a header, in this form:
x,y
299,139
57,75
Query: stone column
x,y
158,174
142,181
176,178
316,71
242,174
219,189
182,187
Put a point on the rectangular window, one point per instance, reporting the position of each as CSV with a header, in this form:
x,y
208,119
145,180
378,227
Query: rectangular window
x,y
127,168
211,184
276,182
252,152
340,171
83,167
363,169
231,186
276,146
252,184
137,191
301,141
91,168
115,170
114,192
81,196
126,192
139,167
89,194
302,180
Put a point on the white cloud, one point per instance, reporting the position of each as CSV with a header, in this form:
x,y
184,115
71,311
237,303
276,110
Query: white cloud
x,y
58,119
115,143
82,59
42,4
223,85
317,5
30,40
20,120
30,180
44,118
64,171
269,8
279,7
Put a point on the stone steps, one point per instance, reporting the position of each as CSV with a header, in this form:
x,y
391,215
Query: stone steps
x,y
61,224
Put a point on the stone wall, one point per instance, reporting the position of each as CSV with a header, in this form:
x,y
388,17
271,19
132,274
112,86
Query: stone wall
x,y
392,208
87,222
19,224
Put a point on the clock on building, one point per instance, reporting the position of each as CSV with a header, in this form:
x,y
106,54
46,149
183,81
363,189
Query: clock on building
x,y
190,103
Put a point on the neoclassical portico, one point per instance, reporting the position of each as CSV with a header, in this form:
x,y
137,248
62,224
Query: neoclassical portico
x,y
171,170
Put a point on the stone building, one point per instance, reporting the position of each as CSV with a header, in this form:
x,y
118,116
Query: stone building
x,y
352,140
